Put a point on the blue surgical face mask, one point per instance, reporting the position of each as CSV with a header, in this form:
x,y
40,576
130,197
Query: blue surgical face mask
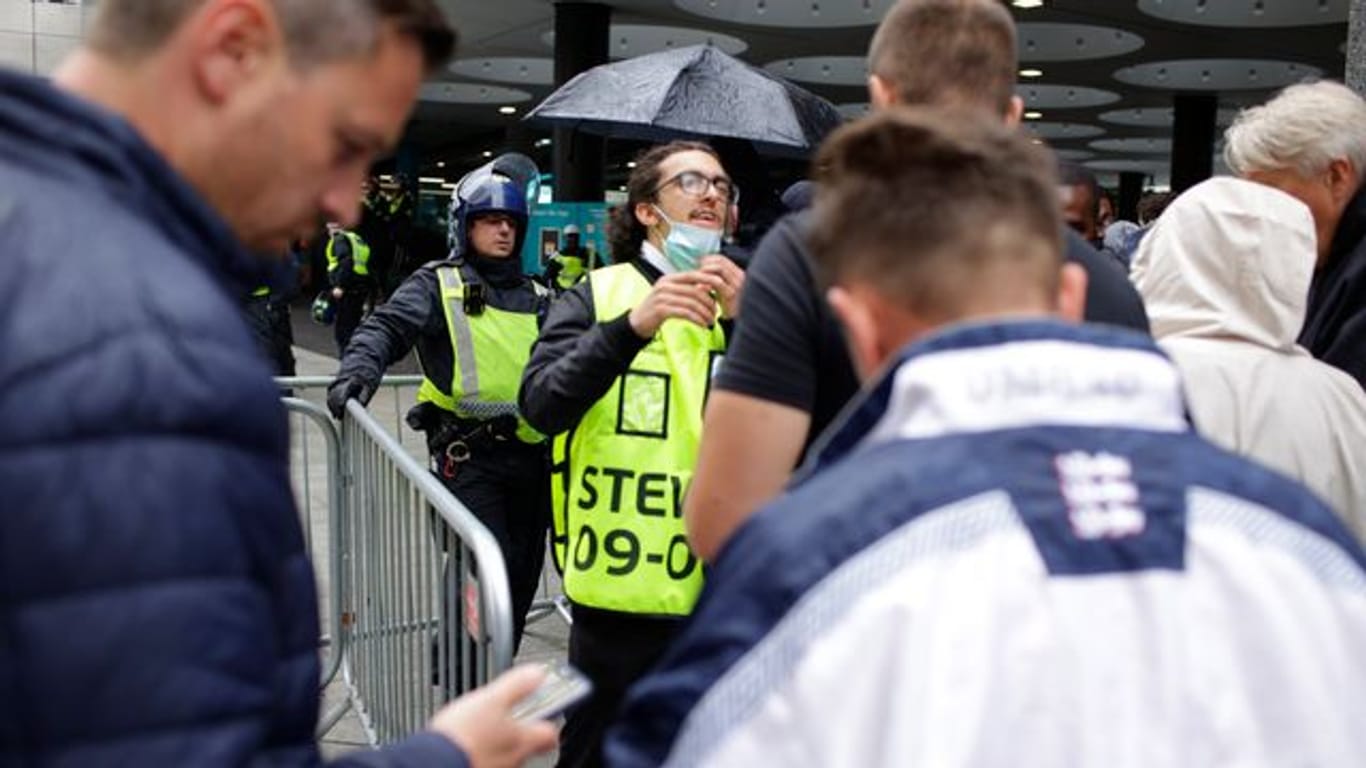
x,y
686,243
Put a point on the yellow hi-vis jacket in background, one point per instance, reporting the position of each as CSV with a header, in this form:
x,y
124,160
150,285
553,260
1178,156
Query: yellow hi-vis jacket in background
x,y
619,475
360,254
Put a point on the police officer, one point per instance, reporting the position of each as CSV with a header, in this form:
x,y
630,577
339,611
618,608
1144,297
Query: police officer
x,y
267,310
348,273
568,265
473,318
620,374
268,315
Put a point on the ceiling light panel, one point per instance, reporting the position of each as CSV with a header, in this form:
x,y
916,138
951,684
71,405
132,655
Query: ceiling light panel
x,y
790,13
1139,146
628,40
1217,74
524,71
1064,131
1073,42
1064,96
472,93
823,70
1248,13
854,110
1155,117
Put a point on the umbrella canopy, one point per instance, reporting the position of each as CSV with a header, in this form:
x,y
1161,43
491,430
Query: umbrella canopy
x,y
693,91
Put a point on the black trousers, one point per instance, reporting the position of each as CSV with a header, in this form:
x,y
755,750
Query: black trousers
x,y
614,650
506,484
269,321
350,311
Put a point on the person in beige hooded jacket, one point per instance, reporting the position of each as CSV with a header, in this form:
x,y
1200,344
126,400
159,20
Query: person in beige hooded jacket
x,y
1225,274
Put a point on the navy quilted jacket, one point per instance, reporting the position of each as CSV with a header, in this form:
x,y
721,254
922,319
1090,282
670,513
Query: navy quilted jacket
x,y
156,607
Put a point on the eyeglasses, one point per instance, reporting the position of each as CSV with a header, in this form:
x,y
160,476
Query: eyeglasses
x,y
695,184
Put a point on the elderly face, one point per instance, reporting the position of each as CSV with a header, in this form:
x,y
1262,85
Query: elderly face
x,y
1326,194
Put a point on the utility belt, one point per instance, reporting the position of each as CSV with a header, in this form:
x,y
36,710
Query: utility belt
x,y
453,440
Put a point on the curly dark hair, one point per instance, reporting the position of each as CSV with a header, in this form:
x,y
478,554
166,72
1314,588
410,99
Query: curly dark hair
x,y
625,233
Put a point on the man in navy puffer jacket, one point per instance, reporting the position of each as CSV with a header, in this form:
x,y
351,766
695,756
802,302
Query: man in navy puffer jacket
x,y
156,605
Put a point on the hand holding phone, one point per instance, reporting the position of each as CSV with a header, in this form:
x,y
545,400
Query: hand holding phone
x,y
482,725
562,688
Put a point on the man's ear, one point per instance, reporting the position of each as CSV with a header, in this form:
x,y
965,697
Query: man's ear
x,y
1072,282
1014,111
647,215
881,94
232,43
1343,179
861,334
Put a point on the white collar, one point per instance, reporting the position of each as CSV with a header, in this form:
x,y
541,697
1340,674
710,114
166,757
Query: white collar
x,y
1034,382
652,256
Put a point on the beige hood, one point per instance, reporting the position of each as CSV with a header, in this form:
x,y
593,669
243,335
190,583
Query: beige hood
x,y
1230,259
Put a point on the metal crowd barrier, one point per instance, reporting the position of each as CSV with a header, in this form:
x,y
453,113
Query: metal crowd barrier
x,y
318,489
427,599
396,394
386,555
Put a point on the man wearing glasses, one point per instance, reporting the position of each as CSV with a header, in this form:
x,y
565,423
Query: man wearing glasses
x,y
619,377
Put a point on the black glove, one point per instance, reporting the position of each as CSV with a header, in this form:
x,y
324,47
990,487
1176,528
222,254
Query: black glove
x,y
345,389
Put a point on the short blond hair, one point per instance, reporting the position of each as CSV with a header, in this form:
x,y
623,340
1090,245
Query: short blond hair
x,y
949,52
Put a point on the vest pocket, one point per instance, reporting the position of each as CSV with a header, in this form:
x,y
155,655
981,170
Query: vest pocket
x,y
643,404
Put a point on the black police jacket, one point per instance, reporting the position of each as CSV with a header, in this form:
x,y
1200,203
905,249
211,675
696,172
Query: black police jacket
x,y
413,317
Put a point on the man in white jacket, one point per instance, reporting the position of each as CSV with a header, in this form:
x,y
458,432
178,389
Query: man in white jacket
x,y
1011,549
1225,274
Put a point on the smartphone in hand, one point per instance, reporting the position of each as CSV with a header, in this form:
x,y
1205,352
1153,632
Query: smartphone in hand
x,y
562,688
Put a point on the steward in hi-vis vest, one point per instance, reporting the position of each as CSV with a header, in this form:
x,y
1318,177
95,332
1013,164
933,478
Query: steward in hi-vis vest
x,y
619,475
472,318
619,377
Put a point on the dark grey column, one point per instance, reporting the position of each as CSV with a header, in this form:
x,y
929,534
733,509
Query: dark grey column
x,y
519,137
1130,189
1193,139
1356,47
581,40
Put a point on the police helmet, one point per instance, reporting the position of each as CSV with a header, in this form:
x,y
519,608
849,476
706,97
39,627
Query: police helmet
x,y
505,185
324,308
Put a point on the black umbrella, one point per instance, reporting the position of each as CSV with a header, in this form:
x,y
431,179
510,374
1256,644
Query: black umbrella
x,y
693,91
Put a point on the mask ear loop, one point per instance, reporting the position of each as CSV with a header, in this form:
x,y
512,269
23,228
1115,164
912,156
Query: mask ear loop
x,y
663,219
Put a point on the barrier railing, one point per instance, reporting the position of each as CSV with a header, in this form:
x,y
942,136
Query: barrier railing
x,y
324,520
427,598
386,557
391,401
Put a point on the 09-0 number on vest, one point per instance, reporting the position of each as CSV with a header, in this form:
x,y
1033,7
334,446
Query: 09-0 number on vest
x,y
622,553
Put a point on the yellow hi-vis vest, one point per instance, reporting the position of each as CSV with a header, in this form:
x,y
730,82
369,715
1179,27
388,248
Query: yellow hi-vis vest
x,y
360,254
571,270
488,353
619,475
